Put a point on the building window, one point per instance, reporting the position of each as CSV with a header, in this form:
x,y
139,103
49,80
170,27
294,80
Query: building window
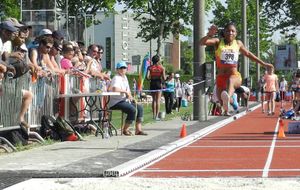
x,y
168,53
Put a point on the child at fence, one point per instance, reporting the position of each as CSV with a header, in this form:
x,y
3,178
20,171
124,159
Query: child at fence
x,y
270,90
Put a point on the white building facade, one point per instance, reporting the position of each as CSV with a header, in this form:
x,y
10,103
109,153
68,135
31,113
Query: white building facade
x,y
117,34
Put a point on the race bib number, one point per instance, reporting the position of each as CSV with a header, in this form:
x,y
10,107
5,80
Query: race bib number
x,y
229,57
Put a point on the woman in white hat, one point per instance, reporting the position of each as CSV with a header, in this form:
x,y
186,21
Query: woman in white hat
x,y
125,102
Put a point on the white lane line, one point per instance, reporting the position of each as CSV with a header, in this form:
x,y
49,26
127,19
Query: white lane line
x,y
246,141
262,146
271,152
224,170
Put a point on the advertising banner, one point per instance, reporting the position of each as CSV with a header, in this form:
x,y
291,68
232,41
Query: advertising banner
x,y
285,57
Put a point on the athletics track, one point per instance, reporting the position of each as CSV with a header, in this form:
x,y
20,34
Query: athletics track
x,y
246,147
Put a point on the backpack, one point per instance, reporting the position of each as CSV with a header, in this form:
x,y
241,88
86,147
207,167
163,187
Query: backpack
x,y
65,130
47,129
16,137
57,129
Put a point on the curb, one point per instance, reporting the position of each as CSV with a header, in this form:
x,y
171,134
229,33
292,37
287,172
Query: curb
x,y
145,159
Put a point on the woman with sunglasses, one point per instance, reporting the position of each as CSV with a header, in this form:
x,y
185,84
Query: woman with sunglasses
x,y
125,102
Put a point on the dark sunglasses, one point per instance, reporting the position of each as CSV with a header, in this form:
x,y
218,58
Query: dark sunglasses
x,y
123,68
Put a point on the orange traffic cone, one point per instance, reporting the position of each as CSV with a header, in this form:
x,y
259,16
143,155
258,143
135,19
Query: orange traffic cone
x,y
183,131
281,129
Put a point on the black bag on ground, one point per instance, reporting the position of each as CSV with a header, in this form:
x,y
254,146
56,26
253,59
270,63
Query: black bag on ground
x,y
15,137
63,128
48,130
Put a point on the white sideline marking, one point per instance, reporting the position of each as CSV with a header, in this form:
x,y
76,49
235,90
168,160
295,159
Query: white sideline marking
x,y
262,146
225,170
271,152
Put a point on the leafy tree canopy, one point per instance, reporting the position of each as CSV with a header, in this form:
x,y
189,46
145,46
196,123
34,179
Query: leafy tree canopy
x,y
10,8
284,15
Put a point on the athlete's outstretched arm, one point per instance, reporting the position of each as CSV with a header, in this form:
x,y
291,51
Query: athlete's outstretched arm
x,y
251,56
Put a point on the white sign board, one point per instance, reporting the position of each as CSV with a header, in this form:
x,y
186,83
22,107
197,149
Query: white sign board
x,y
285,57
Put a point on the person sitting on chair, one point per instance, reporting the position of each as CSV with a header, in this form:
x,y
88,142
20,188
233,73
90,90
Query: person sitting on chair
x,y
125,102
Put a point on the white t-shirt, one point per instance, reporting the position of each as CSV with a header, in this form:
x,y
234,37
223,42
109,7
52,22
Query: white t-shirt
x,y
7,47
121,83
283,85
95,66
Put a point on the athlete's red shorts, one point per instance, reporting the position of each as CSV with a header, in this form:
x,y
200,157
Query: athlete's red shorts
x,y
222,79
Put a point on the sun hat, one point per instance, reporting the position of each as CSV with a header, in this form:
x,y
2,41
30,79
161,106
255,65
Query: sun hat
x,y
45,32
121,64
7,25
15,22
58,34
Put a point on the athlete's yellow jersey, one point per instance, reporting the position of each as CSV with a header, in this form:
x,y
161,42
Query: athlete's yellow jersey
x,y
227,55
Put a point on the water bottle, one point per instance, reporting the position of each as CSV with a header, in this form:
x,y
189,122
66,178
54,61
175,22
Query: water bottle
x,y
105,130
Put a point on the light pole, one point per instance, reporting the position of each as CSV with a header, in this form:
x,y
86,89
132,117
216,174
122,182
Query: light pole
x,y
257,50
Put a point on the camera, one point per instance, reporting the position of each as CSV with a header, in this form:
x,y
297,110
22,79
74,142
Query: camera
x,y
10,74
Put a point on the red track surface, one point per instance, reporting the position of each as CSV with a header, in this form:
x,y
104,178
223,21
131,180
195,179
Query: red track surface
x,y
247,147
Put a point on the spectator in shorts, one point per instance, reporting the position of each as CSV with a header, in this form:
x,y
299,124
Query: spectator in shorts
x,y
271,89
125,102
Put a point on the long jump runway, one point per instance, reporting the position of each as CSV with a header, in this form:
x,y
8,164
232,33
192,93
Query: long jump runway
x,y
246,147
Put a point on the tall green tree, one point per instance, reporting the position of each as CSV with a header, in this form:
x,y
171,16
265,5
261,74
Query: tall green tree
x,y
9,8
232,12
284,15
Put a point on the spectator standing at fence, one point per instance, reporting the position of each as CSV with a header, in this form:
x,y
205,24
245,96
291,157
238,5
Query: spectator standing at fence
x,y
6,33
125,102
156,75
40,56
93,62
54,55
169,93
35,43
68,54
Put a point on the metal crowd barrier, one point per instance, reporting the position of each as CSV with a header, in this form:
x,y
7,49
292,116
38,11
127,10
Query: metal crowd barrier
x,y
45,92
